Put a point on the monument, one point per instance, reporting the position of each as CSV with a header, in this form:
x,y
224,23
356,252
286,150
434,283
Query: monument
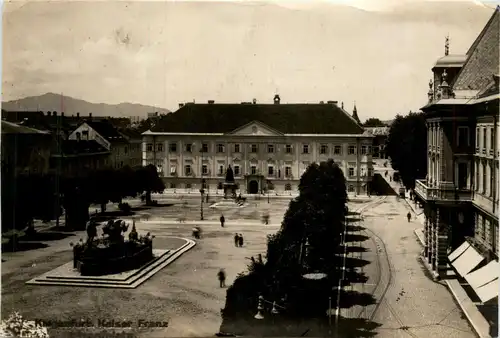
x,y
229,184
111,253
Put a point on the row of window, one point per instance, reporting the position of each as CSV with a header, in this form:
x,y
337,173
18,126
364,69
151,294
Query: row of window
x,y
271,171
254,148
484,173
288,186
463,137
482,134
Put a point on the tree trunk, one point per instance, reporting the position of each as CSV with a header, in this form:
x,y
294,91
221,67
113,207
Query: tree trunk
x,y
148,197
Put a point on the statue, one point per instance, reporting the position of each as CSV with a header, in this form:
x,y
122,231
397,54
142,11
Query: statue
x,y
229,185
91,232
229,175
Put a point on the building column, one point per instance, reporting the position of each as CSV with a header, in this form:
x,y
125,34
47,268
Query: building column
x,y
426,237
442,244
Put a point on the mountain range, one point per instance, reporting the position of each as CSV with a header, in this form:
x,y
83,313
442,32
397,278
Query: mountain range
x,y
71,106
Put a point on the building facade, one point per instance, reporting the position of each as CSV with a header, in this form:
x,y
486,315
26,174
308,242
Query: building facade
x,y
268,146
460,193
379,141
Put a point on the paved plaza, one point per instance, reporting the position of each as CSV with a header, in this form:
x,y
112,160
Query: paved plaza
x,y
186,293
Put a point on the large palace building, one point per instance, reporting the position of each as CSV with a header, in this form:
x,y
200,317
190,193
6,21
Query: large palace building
x,y
268,146
461,192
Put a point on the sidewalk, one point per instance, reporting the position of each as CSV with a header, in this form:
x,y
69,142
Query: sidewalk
x,y
479,324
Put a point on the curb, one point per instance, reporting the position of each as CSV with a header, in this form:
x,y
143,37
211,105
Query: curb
x,y
416,232
465,312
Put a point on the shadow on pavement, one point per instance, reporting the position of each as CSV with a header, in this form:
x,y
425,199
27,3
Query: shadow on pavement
x,y
352,228
45,236
352,249
22,246
355,238
354,219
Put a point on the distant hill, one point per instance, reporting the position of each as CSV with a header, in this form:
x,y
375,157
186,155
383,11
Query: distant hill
x,y
71,106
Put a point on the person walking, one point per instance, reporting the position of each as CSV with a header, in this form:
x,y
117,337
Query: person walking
x,y
240,240
236,240
221,275
222,220
408,216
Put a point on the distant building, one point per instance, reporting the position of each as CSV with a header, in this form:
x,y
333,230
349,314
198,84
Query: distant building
x,y
268,146
24,150
380,135
461,192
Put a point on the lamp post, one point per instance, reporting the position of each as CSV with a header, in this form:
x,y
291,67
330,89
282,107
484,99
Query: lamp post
x,y
202,191
268,187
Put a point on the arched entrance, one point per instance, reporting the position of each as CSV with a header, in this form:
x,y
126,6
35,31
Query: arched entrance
x,y
253,187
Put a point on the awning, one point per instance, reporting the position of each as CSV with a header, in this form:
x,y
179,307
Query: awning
x,y
465,261
488,291
484,281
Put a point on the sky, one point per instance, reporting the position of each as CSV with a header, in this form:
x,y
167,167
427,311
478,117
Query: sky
x,y
377,54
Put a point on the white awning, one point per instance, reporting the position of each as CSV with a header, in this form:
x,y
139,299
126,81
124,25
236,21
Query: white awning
x,y
488,291
484,281
467,261
458,251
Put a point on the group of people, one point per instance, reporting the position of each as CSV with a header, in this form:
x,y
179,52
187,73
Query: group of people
x,y
238,240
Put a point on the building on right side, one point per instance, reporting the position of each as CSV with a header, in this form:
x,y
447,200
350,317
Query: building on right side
x,y
460,193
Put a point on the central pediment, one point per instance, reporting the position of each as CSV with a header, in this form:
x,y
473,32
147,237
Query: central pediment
x,y
255,128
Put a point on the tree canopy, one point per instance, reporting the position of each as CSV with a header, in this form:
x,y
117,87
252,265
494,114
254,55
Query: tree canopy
x,y
407,147
373,122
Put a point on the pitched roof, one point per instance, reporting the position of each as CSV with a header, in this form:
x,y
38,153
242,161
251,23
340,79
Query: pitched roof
x,y
12,128
106,130
286,118
482,58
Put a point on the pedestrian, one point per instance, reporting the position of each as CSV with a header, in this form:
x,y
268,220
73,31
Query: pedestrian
x,y
236,240
408,216
240,240
222,220
221,275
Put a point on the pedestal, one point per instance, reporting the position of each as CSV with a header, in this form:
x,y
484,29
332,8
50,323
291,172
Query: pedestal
x,y
230,190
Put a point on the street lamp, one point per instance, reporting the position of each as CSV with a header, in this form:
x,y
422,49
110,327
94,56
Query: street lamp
x,y
268,187
202,191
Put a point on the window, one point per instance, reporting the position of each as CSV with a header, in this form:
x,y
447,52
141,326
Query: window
x,y
288,187
221,169
462,175
172,185
236,148
369,151
204,148
351,172
337,150
253,148
492,182
484,178
236,170
253,170
463,136
478,131
484,138
350,188
220,148
476,182
270,170
270,148
187,170
351,150
204,169
125,150
305,149
483,228
288,148
189,148
492,139
220,186
188,185
323,149
363,150
173,170
173,147
149,147
288,171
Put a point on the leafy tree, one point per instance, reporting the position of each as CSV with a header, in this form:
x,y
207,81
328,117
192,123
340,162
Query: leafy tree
x,y
407,147
373,122
149,181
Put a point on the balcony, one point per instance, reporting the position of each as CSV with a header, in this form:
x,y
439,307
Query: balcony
x,y
442,193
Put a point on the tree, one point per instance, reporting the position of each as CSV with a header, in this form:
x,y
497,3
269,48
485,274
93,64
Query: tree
x,y
373,122
407,147
148,181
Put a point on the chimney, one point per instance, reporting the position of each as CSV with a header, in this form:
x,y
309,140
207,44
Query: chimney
x,y
49,113
321,102
254,101
335,103
62,114
54,113
211,101
77,114
277,99
181,105
90,115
